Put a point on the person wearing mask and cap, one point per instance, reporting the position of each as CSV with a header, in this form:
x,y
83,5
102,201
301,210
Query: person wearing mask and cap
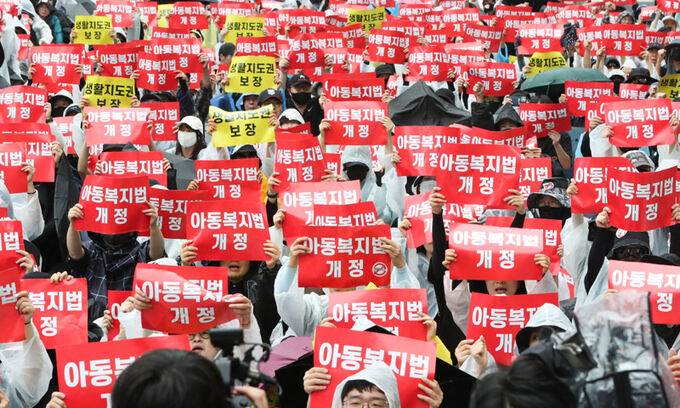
x,y
617,77
670,22
551,201
653,61
191,142
639,76
59,102
672,58
271,97
299,96
640,160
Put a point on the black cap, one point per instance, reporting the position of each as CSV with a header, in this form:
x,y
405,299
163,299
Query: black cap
x,y
654,46
627,238
609,60
299,79
385,69
639,73
267,94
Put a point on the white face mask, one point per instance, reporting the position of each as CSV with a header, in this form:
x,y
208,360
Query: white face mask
x,y
186,139
427,186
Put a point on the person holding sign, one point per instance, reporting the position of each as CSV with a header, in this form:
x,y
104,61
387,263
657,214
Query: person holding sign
x,y
299,96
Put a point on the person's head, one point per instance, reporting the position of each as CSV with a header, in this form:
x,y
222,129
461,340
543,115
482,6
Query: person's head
x,y
384,71
271,97
546,320
169,379
507,124
494,287
528,383
640,161
226,53
43,9
355,170
625,18
639,76
200,344
670,23
60,101
237,270
290,118
196,34
120,35
358,393
612,63
244,152
629,246
190,136
552,200
653,50
300,88
424,184
356,162
250,101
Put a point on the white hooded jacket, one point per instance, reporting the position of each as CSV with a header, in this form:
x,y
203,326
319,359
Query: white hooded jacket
x,y
379,374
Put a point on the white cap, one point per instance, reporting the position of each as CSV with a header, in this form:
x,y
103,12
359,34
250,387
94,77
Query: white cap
x,y
291,115
193,122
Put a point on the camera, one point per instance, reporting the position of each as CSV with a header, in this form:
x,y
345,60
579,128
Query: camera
x,y
234,369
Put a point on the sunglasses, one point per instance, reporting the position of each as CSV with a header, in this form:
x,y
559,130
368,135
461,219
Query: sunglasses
x,y
623,253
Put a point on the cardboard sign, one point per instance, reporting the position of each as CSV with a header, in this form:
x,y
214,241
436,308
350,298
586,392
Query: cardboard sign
x,y
495,253
172,208
157,72
418,148
540,118
170,33
512,137
579,93
539,38
116,126
188,50
471,174
355,123
242,127
151,164
497,77
347,215
256,46
394,309
592,181
11,240
60,310
93,30
164,116
88,371
184,299
113,205
233,230
299,159
230,179
661,281
118,60
344,257
11,320
670,85
65,125
491,37
109,92
647,123
12,155
499,318
223,10
345,352
641,201
305,53
56,64
248,74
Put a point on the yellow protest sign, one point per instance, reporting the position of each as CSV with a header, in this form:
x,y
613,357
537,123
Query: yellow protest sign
x,y
242,26
163,13
249,74
369,19
545,61
109,92
93,30
670,85
242,127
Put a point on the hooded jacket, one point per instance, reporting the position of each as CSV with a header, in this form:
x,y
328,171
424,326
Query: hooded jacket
x,y
507,112
547,315
380,375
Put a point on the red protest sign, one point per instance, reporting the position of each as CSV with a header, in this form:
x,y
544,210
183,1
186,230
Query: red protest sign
x,y
619,39
301,21
298,159
11,240
532,173
512,137
542,118
355,123
478,174
592,181
387,46
495,253
354,87
229,8
188,50
596,108
120,11
11,321
24,40
499,318
418,148
429,63
233,230
65,125
330,39
172,207
259,46
496,77
117,126
171,33
647,123
419,212
641,201
189,15
344,257
151,164
305,52
157,72
113,205
60,310
37,139
115,300
22,104
232,179
662,281
163,115
56,64
394,309
353,35
461,58
491,37
333,162
88,371
457,19
150,10
184,299
669,6
539,38
579,93
118,60
12,155
346,215
633,91
345,352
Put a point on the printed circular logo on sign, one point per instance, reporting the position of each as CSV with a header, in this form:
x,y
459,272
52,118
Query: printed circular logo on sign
x,y
379,269
620,233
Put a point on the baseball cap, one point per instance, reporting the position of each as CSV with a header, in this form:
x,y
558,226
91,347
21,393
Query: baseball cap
x,y
385,69
612,60
267,94
616,72
639,158
626,238
291,115
555,187
654,46
299,79
193,122
61,94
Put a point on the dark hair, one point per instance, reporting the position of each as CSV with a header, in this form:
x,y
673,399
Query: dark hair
x,y
170,379
359,385
479,286
528,383
200,145
541,98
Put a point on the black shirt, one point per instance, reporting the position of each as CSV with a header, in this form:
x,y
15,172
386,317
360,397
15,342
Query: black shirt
x,y
312,114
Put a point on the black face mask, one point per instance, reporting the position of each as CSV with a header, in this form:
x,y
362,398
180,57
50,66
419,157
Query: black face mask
x,y
552,213
119,240
356,172
302,98
58,112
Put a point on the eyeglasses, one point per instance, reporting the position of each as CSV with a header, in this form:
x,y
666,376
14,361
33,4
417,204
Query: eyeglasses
x,y
357,402
204,335
623,253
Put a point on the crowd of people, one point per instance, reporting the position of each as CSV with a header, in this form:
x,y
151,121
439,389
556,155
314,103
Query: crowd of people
x,y
264,294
